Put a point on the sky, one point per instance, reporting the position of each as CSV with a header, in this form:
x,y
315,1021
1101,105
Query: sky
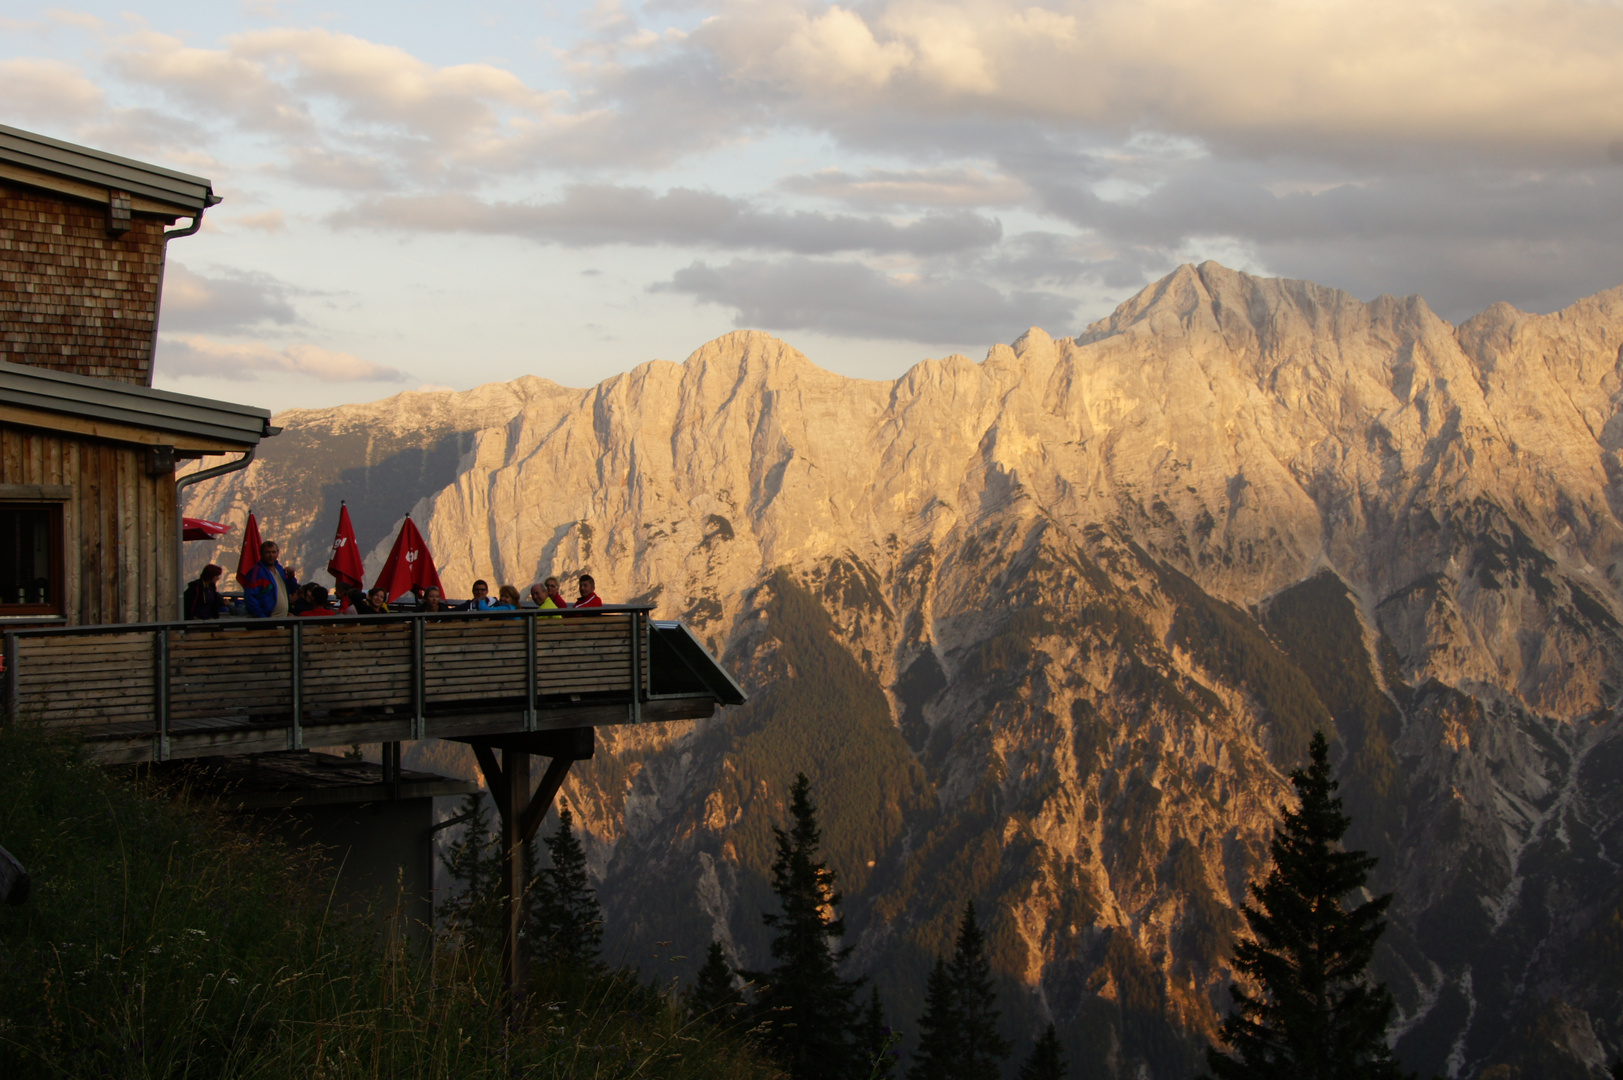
x,y
428,197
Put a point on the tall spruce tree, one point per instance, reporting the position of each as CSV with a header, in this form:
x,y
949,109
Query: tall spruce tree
x,y
1315,1013
1047,1060
715,996
566,922
473,910
803,1002
876,1041
958,1036
938,1027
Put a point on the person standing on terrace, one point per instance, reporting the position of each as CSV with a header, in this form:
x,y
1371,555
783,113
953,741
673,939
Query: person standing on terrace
x,y
269,586
203,600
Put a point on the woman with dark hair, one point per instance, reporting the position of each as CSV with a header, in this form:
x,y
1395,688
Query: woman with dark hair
x,y
203,599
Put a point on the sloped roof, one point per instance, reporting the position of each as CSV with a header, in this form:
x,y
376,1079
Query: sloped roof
x,y
30,387
34,159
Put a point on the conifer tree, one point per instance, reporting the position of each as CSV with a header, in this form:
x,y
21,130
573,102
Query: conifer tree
x,y
714,996
958,1036
566,921
985,1050
1047,1060
1315,1013
805,1005
876,1041
474,864
938,1051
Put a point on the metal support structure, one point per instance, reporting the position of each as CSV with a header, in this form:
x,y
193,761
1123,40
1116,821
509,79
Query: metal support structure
x,y
295,734
636,667
529,673
391,769
419,723
160,692
11,696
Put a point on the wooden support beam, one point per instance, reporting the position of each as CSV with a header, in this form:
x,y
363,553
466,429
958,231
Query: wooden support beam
x,y
557,769
508,781
494,782
516,773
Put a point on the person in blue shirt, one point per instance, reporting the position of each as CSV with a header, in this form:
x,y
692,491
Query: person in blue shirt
x,y
269,588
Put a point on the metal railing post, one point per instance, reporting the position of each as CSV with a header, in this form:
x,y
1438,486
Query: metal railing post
x,y
636,668
13,690
419,689
160,692
295,735
529,673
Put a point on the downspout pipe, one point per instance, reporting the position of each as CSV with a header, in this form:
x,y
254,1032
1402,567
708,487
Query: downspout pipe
x,y
180,549
163,265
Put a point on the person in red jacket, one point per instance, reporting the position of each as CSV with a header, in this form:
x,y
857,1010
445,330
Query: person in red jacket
x,y
588,593
317,595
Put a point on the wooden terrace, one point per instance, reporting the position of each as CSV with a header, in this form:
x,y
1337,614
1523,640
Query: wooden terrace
x,y
156,691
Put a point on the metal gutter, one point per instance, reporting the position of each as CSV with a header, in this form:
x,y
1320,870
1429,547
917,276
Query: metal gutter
x,y
123,403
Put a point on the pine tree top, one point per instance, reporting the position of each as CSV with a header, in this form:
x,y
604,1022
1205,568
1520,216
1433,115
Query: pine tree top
x,y
1315,1014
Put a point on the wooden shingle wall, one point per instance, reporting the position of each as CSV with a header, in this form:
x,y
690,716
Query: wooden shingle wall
x,y
73,297
118,523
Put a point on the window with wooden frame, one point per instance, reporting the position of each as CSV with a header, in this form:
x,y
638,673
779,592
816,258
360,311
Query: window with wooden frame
x,y
31,574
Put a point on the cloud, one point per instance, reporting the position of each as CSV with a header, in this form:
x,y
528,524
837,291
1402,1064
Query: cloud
x,y
909,187
46,92
850,299
230,301
267,221
351,113
1512,76
595,214
1463,238
191,354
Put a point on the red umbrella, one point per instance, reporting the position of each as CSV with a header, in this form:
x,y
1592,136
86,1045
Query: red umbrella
x,y
250,550
198,529
345,564
409,563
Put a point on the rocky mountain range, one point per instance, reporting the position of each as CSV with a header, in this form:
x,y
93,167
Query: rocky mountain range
x,y
1048,631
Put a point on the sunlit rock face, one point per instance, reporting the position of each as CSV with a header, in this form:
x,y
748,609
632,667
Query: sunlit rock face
x,y
1048,631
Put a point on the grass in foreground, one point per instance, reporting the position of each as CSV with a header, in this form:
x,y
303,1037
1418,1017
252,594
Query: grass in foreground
x,y
160,941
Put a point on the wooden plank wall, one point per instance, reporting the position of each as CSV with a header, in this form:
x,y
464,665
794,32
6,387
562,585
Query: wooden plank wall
x,y
118,531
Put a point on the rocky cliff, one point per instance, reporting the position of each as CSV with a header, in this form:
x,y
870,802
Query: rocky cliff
x,y
1048,631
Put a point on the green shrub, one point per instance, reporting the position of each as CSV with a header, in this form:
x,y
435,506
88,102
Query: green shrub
x,y
161,941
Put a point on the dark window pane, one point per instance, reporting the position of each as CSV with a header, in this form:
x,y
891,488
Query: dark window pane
x,y
25,555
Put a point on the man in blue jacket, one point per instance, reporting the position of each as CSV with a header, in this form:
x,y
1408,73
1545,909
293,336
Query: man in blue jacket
x,y
269,585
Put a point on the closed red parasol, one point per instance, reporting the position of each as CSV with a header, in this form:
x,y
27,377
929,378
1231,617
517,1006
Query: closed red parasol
x,y
345,564
198,529
250,549
409,563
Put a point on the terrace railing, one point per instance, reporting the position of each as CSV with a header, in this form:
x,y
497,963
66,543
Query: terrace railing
x,y
152,691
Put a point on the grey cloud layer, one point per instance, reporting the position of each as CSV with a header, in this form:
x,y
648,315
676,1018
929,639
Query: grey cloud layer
x,y
227,301
1312,139
850,299
594,214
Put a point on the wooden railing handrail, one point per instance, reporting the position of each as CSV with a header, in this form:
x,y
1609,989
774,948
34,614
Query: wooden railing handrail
x,y
232,622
